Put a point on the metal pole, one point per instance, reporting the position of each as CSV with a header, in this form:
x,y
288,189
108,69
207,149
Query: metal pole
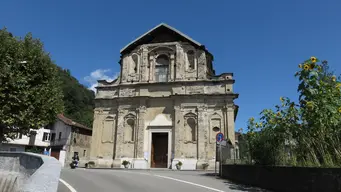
x,y
220,161
215,162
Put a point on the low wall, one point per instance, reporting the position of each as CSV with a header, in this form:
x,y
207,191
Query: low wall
x,y
285,179
28,172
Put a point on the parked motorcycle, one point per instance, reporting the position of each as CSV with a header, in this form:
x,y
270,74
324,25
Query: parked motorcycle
x,y
73,164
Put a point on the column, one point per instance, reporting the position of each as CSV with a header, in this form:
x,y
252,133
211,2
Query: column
x,y
172,71
151,67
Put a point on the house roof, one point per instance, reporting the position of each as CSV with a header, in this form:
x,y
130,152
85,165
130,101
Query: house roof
x,y
154,30
68,121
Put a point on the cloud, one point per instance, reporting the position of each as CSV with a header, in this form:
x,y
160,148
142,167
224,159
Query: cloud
x,y
99,74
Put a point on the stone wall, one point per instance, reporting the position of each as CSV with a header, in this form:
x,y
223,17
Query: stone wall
x,y
28,172
285,179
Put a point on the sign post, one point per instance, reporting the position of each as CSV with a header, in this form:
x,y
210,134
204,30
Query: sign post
x,y
219,138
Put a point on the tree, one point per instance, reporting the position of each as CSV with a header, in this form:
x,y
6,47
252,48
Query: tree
x,y
307,133
78,100
30,93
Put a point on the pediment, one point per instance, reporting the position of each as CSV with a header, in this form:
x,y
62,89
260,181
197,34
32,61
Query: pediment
x,y
160,120
160,34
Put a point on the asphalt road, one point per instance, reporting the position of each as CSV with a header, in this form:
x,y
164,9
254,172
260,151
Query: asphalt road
x,y
105,180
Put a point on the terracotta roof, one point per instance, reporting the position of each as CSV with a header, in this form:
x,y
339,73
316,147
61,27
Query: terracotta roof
x,y
70,122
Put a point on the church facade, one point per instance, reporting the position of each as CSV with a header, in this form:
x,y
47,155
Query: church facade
x,y
166,106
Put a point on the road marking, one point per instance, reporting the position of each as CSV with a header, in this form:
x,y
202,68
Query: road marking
x,y
187,182
68,185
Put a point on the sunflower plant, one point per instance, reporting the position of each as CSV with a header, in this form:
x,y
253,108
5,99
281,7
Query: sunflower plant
x,y
306,133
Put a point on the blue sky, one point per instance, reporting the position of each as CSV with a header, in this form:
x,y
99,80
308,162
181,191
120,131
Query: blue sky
x,y
261,42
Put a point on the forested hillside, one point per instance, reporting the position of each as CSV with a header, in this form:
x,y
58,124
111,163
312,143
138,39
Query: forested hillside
x,y
78,100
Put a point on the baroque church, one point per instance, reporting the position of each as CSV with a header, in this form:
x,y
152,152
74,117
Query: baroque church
x,y
166,106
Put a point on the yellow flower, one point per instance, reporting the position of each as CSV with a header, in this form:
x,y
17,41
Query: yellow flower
x,y
300,66
306,67
339,109
338,85
278,113
252,119
261,124
333,78
281,98
312,66
313,59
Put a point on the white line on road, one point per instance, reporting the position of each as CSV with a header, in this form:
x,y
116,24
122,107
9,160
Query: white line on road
x,y
68,185
187,182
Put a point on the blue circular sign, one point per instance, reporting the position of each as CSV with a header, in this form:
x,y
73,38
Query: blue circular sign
x,y
220,137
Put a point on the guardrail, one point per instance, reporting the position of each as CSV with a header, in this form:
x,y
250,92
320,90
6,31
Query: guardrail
x,y
28,172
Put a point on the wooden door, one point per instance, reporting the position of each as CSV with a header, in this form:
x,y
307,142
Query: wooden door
x,y
55,154
152,156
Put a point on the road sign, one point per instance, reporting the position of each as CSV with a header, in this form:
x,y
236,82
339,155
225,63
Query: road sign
x,y
220,137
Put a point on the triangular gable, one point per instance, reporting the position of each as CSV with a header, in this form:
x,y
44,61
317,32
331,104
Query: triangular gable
x,y
145,38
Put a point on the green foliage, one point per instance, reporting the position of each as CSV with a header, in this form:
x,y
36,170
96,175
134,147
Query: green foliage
x,y
78,100
306,133
30,94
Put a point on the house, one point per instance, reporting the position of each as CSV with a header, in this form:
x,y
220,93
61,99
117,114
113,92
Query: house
x,y
167,105
69,138
38,139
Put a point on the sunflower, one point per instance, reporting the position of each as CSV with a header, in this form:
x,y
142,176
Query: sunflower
x,y
333,78
339,109
306,67
312,66
300,66
252,119
313,59
278,114
281,98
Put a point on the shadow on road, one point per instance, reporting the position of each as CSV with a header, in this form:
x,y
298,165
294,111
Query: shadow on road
x,y
235,186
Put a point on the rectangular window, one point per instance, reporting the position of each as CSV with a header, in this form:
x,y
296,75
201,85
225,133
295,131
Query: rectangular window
x,y
13,149
84,152
161,73
45,136
53,136
60,136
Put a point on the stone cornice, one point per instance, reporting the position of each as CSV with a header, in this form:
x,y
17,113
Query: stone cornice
x,y
232,81
182,96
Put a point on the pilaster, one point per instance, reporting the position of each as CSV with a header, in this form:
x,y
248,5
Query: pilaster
x,y
120,136
144,65
202,132
177,130
230,123
140,129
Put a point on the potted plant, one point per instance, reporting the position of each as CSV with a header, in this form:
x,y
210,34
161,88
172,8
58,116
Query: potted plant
x,y
178,165
125,163
90,164
205,166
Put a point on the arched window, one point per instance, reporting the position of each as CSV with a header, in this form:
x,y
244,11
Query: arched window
x,y
134,63
190,59
161,68
129,130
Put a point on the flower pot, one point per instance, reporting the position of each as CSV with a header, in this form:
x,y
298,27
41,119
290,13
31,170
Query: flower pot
x,y
178,167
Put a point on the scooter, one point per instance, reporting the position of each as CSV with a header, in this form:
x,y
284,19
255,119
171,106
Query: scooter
x,y
73,164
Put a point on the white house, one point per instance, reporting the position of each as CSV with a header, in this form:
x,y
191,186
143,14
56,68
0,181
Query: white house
x,y
39,138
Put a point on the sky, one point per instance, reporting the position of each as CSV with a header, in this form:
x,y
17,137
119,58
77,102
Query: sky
x,y
261,42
